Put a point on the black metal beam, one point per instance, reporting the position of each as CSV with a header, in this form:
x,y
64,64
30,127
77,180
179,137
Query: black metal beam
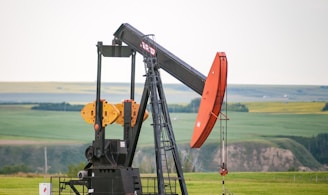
x,y
133,141
167,61
133,75
116,51
99,130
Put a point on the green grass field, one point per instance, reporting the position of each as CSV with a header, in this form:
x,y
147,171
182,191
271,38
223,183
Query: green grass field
x,y
285,183
19,122
258,183
265,119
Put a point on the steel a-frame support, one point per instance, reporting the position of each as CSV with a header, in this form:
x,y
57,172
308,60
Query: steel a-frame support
x,y
161,125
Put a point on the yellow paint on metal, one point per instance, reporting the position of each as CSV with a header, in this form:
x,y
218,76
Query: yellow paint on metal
x,y
109,113
88,113
134,113
120,119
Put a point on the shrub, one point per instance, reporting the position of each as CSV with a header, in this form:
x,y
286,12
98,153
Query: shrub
x,y
14,169
74,169
325,108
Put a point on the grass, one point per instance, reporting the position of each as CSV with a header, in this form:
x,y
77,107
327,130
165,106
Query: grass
x,y
58,128
42,125
83,92
20,185
19,122
287,107
273,183
248,126
264,118
282,183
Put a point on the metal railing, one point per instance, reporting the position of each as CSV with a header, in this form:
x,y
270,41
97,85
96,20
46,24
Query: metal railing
x,y
61,186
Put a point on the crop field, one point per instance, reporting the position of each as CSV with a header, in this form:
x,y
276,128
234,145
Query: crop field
x,y
284,183
287,107
81,93
19,125
19,122
22,123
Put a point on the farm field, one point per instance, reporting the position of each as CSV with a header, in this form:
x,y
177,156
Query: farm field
x,y
24,131
275,113
273,110
19,122
239,183
286,107
83,92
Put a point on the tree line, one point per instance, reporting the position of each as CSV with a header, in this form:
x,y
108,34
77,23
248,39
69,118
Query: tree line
x,y
325,108
316,145
10,169
191,107
64,106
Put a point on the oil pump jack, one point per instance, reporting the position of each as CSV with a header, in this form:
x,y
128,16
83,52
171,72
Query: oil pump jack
x,y
109,169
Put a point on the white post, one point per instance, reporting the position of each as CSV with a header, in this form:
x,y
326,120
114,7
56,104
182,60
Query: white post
x,y
45,161
44,189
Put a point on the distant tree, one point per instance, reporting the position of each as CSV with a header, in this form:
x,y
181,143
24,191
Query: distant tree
x,y
14,169
237,107
178,108
64,106
74,169
187,163
325,108
316,145
193,106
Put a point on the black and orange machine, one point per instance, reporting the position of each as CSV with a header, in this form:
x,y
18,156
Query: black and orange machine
x,y
109,169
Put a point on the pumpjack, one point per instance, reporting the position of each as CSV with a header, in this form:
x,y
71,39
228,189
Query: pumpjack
x,y
109,169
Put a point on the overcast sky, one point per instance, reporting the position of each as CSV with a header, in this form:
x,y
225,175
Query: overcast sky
x,y
266,41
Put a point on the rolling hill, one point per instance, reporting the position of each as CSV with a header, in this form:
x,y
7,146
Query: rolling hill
x,y
260,140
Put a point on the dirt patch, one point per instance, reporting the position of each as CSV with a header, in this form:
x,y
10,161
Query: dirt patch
x,y
259,158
